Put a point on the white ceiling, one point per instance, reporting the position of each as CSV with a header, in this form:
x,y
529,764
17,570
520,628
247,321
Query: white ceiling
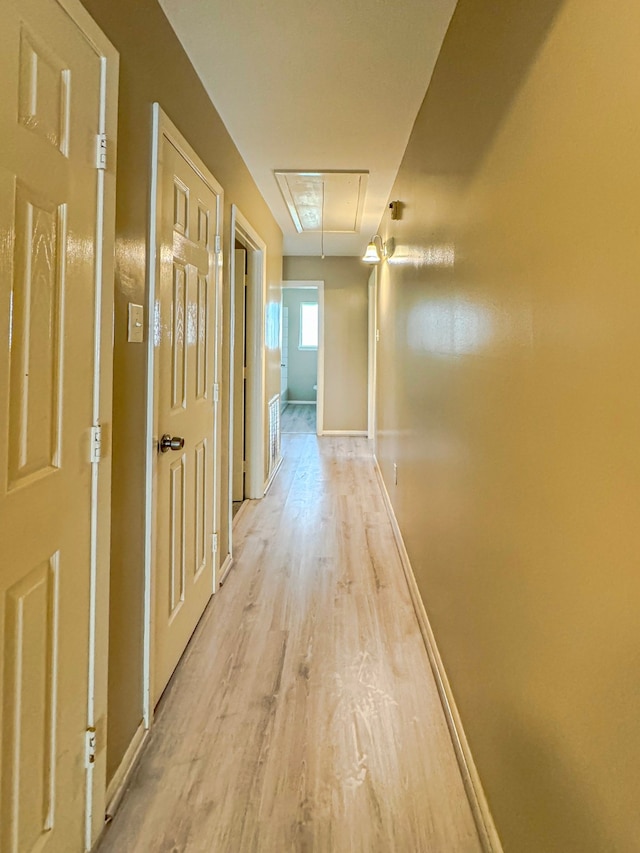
x,y
316,85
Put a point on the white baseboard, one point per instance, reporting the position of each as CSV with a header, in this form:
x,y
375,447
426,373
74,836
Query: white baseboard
x,y
118,784
475,793
238,515
302,402
225,568
276,468
357,432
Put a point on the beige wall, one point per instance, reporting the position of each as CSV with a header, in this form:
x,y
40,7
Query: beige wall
x,y
509,369
345,324
153,67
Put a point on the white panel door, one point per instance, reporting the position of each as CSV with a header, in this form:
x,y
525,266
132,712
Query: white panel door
x,y
49,118
186,347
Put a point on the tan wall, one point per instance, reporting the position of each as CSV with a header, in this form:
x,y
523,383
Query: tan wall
x,y
154,67
509,369
345,323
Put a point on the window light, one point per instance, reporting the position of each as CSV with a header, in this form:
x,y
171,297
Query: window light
x,y
308,325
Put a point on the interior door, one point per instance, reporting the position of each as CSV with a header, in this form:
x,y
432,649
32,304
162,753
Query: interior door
x,y
186,346
49,120
239,373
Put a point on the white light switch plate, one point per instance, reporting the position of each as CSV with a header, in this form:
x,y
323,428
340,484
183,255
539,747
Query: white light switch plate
x,y
136,324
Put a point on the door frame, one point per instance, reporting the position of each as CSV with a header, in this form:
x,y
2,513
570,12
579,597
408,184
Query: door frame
x,y
164,127
372,365
238,354
301,285
242,230
100,564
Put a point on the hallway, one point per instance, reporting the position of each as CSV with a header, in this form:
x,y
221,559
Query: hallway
x,y
304,715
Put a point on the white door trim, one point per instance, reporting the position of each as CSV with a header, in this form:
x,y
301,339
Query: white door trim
x,y
164,127
287,285
242,230
373,353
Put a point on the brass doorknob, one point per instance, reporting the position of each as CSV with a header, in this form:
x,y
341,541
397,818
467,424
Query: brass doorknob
x,y
168,443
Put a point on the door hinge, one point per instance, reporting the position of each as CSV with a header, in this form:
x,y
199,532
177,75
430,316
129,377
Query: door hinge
x,y
96,444
216,392
101,151
90,747
218,244
214,543
244,467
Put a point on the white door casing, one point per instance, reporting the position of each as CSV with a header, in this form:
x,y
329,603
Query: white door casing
x,y
239,355
372,337
59,83
255,399
184,344
284,355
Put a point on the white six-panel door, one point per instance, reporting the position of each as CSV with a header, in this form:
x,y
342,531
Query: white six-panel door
x,y
51,111
185,356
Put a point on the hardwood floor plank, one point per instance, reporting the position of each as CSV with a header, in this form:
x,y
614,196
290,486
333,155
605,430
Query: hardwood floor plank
x,y
304,715
298,417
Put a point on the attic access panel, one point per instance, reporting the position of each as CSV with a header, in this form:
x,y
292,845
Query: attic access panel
x,y
330,201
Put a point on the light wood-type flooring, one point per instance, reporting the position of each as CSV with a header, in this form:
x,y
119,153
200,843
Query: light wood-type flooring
x,y
304,716
298,417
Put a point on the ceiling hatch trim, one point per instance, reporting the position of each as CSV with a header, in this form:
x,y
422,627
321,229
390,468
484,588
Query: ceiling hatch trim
x,y
330,201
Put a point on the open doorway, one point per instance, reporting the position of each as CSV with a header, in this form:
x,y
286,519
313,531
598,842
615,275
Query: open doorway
x,y
246,368
302,357
239,355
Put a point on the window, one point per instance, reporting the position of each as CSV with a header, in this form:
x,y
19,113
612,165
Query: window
x,y
308,325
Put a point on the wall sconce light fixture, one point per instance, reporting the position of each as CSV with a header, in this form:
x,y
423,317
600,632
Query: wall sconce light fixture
x,y
374,255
